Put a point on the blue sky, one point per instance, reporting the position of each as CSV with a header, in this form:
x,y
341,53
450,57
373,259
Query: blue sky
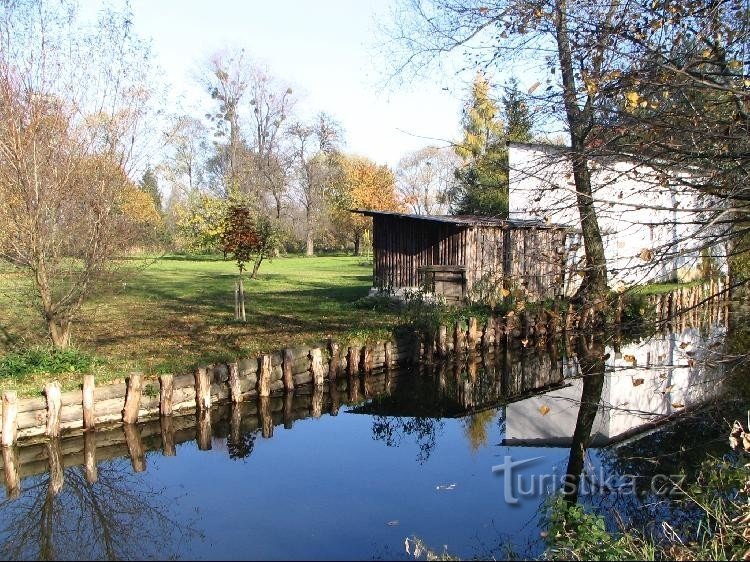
x,y
325,49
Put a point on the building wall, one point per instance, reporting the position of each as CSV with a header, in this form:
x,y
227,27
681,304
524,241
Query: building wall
x,y
494,257
648,219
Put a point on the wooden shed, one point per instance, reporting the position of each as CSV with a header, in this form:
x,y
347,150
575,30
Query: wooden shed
x,y
462,256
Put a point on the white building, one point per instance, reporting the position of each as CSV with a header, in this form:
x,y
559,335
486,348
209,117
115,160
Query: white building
x,y
652,224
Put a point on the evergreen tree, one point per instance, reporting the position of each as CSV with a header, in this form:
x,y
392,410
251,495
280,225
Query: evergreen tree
x,y
483,180
149,184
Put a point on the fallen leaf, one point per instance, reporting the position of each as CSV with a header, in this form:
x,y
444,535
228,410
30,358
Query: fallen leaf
x,y
637,382
505,292
534,86
677,405
544,410
669,388
628,358
684,344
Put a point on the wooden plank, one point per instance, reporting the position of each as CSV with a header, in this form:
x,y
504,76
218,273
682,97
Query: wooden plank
x,y
89,386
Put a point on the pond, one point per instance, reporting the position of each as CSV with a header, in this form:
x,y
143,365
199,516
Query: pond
x,y
462,455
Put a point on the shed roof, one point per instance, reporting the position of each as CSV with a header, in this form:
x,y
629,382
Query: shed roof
x,y
467,220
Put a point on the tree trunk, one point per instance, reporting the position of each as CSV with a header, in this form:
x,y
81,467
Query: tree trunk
x,y
309,243
59,331
580,122
357,243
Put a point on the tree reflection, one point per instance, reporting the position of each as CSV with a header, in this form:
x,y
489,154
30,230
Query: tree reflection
x,y
592,363
119,517
392,431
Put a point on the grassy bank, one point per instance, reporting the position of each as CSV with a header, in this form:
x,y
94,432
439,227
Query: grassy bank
x,y
172,313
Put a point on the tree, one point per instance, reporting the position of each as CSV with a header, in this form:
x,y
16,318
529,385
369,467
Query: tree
x,y
315,155
425,179
150,185
363,184
71,101
482,187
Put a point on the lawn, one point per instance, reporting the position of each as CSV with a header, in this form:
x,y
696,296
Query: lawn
x,y
173,313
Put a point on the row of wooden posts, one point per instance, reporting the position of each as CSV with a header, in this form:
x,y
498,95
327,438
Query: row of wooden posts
x,y
238,381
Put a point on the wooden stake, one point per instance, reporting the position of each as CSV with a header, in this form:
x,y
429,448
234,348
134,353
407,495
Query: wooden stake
x,y
264,376
366,364
235,390
53,392
457,338
89,456
202,389
89,420
203,436
135,447
335,398
316,366
442,344
132,398
56,468
10,415
352,365
166,383
168,448
471,336
333,366
235,423
242,300
287,377
388,355
486,334
10,472
353,390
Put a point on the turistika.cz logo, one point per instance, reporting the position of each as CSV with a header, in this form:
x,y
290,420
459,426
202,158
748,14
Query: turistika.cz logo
x,y
517,485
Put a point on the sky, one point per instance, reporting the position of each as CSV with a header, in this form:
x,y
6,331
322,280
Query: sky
x,y
325,49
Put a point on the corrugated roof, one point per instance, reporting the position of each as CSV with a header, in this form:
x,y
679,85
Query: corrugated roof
x,y
468,220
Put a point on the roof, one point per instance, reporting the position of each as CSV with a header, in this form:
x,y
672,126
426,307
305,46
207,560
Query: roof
x,y
466,220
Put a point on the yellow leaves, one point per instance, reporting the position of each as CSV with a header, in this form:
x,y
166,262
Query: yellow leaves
x,y
138,206
646,254
629,358
544,409
591,87
734,64
505,292
632,99
637,382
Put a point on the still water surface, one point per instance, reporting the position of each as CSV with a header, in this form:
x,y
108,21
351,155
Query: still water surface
x,y
408,453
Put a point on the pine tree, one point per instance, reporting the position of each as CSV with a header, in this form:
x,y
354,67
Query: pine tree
x,y
149,184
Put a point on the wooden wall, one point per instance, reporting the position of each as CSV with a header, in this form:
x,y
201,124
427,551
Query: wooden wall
x,y
501,255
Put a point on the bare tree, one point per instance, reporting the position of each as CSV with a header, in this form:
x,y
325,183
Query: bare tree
x,y
315,147
424,179
71,102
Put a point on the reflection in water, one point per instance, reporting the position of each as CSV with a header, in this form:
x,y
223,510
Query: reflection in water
x,y
579,395
117,517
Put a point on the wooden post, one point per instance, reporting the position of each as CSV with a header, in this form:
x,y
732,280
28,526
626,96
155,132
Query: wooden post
x,y
10,415
235,390
202,389
366,360
166,384
471,336
289,410
286,370
352,365
135,447
316,366
442,344
265,417
333,366
168,448
132,398
486,334
472,366
54,402
203,433
89,420
89,456
388,355
316,407
10,472
457,338
56,468
264,376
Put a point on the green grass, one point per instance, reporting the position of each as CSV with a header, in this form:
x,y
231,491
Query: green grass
x,y
661,288
173,313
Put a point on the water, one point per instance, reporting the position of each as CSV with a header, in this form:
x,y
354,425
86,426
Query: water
x,y
408,454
